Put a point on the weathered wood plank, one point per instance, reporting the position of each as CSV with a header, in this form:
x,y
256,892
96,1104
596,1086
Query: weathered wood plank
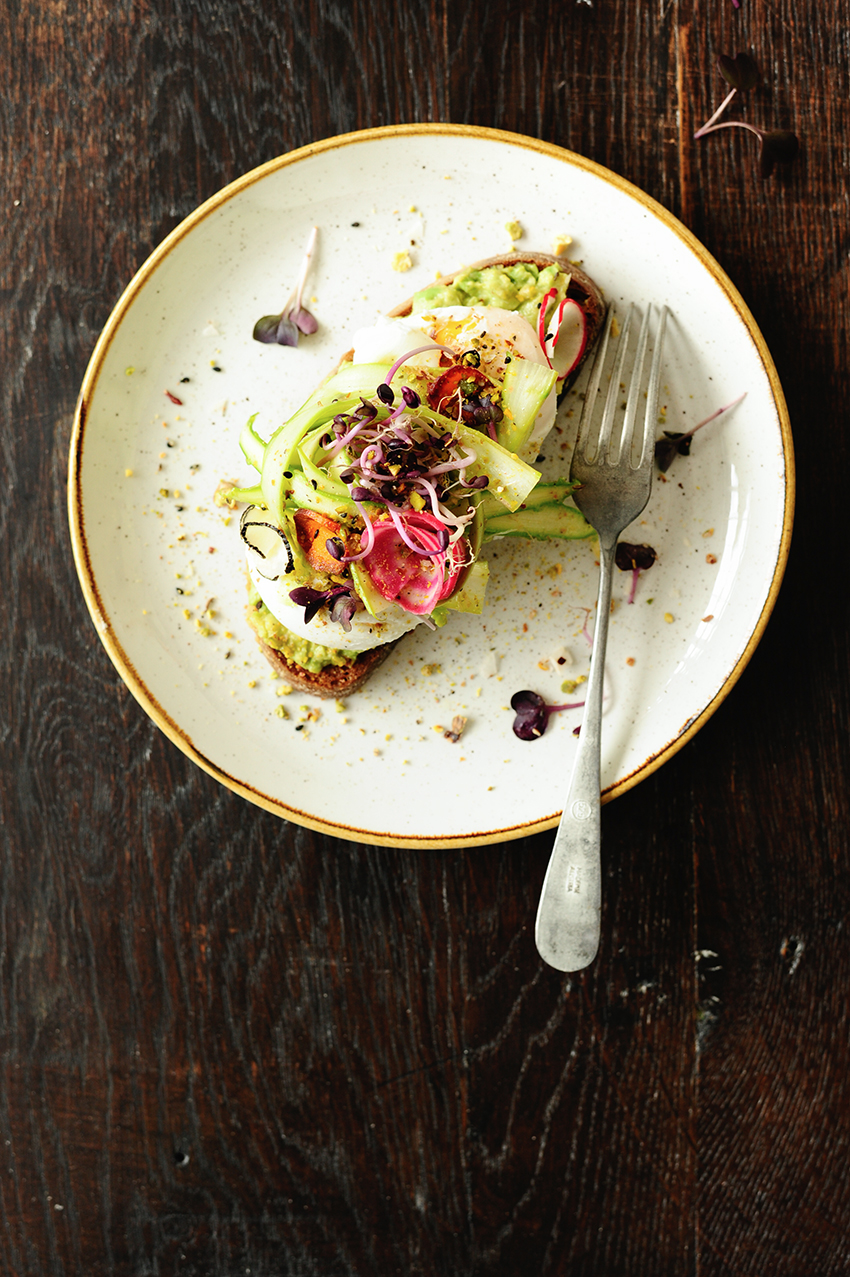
x,y
229,1044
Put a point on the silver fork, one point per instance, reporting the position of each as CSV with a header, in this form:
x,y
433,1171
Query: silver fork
x,y
614,490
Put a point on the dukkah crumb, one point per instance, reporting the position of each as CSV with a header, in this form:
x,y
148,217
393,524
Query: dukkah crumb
x,y
455,732
570,685
220,494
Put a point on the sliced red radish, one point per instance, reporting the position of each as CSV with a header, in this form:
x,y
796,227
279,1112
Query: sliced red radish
x,y
567,338
542,335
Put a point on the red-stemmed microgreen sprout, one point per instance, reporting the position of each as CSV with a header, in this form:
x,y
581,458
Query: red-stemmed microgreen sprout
x,y
634,559
585,629
533,714
676,444
284,329
775,145
419,350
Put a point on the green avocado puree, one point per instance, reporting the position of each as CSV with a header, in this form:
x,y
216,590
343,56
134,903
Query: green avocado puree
x,y
310,656
520,286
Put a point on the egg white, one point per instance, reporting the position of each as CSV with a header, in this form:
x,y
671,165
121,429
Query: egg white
x,y
366,631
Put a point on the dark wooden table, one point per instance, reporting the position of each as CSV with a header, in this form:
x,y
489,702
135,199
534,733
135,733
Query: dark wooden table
x,y
231,1045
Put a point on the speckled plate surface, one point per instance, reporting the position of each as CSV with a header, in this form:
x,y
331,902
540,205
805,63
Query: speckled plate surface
x,y
161,565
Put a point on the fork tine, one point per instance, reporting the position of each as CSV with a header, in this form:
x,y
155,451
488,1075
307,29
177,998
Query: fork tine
x,y
627,437
605,447
592,388
652,392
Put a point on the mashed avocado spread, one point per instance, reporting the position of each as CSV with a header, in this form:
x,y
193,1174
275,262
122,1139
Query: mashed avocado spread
x,y
310,656
520,286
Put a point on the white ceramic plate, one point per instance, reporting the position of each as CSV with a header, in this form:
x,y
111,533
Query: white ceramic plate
x,y
150,560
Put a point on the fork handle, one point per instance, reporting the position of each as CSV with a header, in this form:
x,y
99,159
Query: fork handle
x,y
568,916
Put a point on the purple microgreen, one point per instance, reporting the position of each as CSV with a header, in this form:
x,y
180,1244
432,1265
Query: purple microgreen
x,y
410,397
385,394
278,329
342,609
335,548
532,714
634,559
366,412
283,329
778,146
676,444
311,600
741,71
342,603
305,322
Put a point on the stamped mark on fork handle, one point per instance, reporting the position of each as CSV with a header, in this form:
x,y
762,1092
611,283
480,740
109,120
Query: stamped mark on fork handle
x,y
574,879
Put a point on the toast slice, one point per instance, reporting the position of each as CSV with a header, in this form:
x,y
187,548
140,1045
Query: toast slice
x,y
334,682
581,288
337,681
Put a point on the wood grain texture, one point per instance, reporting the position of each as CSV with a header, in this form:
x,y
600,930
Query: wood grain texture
x,y
230,1045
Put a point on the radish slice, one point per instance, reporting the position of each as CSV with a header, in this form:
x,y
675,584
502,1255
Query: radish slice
x,y
566,346
542,336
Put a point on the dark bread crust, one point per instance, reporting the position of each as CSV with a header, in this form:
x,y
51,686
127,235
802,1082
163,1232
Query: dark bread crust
x,y
334,681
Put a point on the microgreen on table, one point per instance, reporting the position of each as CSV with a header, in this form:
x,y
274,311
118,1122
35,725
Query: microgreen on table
x,y
776,146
